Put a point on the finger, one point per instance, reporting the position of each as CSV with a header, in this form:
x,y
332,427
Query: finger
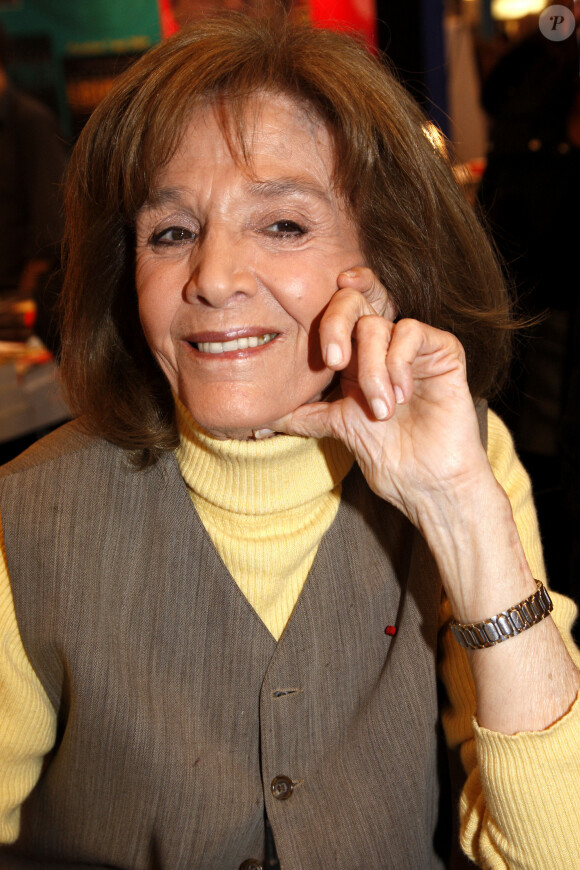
x,y
373,335
337,326
364,280
418,351
314,420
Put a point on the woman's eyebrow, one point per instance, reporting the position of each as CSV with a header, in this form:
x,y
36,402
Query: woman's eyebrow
x,y
162,196
266,189
278,187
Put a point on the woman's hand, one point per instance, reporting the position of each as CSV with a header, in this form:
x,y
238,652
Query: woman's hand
x,y
405,411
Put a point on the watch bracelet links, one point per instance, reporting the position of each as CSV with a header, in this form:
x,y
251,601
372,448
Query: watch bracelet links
x,y
505,625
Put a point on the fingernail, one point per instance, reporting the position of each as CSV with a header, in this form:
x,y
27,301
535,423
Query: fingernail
x,y
333,355
399,395
262,433
350,273
380,409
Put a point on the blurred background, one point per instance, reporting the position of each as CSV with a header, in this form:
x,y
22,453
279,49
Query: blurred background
x,y
499,84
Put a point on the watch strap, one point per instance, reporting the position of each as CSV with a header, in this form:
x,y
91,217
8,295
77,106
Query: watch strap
x,y
505,625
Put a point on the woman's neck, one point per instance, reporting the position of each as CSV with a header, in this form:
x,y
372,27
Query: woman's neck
x,y
258,477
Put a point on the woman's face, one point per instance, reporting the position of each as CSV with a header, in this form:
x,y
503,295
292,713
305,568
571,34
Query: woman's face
x,y
236,263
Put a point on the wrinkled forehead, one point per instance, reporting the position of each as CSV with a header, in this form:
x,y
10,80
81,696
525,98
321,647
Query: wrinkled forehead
x,y
250,125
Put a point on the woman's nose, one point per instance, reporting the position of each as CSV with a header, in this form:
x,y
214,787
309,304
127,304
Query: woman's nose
x,y
220,270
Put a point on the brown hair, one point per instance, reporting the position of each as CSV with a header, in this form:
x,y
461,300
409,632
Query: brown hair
x,y
417,231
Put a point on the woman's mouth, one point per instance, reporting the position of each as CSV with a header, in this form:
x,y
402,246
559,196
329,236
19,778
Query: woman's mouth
x,y
234,344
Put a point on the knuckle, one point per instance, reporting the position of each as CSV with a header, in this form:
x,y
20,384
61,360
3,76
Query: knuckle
x,y
407,325
348,294
373,324
344,302
397,366
335,324
371,382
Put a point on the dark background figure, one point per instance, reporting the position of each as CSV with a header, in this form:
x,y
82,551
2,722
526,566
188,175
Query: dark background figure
x,y
530,194
33,158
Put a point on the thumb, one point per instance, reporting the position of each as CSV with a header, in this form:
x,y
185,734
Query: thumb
x,y
310,421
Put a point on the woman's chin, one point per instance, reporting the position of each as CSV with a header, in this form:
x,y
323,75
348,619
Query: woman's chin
x,y
231,417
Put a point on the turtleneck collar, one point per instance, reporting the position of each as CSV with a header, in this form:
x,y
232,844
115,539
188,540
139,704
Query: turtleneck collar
x,y
258,477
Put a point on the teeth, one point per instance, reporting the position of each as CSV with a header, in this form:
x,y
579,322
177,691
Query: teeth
x,y
235,343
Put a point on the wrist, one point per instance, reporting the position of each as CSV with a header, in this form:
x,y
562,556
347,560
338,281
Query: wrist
x,y
504,625
474,540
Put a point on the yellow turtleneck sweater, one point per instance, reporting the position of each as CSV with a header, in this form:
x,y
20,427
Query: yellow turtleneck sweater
x,y
266,506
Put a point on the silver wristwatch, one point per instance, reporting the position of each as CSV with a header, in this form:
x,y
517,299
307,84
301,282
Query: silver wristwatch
x,y
507,624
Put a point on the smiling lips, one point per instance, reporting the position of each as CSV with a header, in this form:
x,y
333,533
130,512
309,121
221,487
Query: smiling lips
x,y
234,344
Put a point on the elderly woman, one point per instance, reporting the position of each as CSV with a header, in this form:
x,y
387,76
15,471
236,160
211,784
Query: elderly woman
x,y
283,509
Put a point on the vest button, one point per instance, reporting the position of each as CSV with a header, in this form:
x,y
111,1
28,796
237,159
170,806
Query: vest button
x,y
282,787
251,864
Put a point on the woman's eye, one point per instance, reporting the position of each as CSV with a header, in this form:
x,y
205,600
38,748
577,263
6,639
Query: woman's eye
x,y
286,228
173,236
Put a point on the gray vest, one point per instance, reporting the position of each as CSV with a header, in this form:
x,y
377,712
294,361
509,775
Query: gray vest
x,y
180,720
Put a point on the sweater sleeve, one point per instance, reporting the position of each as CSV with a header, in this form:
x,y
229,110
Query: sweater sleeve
x,y
520,804
27,718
